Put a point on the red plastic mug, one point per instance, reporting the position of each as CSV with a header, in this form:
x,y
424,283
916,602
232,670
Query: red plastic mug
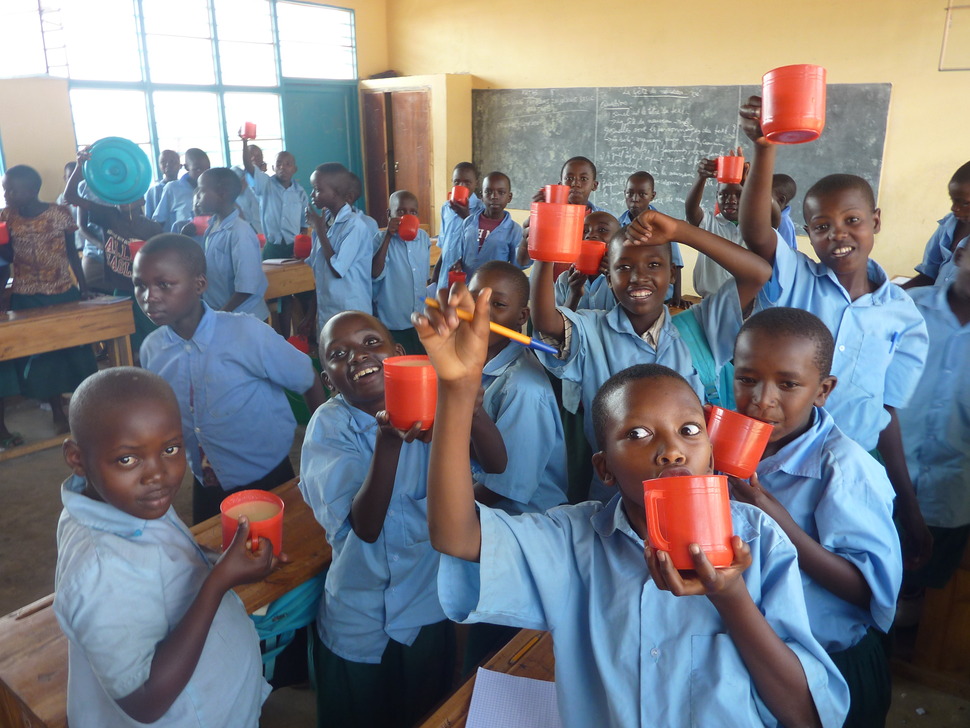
x,y
201,222
555,231
134,246
460,194
730,170
591,253
248,130
300,343
262,240
738,441
408,229
265,513
557,194
793,104
4,234
302,245
456,276
410,391
689,509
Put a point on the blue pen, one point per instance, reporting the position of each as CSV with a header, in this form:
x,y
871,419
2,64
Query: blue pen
x,y
516,336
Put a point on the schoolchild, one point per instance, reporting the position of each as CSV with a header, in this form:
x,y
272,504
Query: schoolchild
x,y
783,190
229,372
282,202
382,651
636,644
155,632
400,272
639,194
829,496
234,269
880,336
175,205
576,290
169,163
465,174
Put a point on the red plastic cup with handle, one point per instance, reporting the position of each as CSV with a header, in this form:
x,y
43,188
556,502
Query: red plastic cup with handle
x,y
4,234
738,441
689,509
456,276
302,244
410,391
201,223
730,170
262,240
460,194
248,130
591,253
264,511
793,104
557,194
408,229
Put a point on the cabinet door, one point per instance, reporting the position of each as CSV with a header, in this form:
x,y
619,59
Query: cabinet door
x,y
376,154
410,152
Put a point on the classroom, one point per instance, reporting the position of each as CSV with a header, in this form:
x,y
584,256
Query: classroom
x,y
399,92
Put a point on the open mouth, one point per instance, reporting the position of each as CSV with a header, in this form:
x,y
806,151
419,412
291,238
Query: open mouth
x,y
842,251
365,372
639,294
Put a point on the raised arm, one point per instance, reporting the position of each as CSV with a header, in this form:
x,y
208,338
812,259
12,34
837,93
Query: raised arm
x,y
706,169
247,158
542,302
754,214
380,257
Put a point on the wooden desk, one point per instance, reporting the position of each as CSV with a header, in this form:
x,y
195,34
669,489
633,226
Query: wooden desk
x,y
40,330
528,654
287,278
33,650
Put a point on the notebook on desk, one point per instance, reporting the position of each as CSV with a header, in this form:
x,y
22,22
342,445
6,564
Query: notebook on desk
x,y
500,700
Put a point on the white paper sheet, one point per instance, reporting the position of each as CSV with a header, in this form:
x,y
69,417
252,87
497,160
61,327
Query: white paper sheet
x,y
508,701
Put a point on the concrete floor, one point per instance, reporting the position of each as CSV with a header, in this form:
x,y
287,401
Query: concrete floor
x,y
30,497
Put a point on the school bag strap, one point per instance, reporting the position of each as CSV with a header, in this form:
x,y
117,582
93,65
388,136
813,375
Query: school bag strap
x,y
277,625
718,385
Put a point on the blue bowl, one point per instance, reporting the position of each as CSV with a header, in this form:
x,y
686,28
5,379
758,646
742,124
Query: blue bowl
x,y
118,172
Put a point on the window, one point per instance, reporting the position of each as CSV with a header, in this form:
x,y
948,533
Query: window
x,y
173,74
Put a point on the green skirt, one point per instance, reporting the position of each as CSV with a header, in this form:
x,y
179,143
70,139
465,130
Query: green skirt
x,y
865,668
9,384
43,376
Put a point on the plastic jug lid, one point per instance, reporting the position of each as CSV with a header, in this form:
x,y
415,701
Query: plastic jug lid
x,y
118,171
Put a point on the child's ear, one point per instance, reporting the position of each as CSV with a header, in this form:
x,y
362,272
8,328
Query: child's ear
x,y
72,456
399,350
602,469
523,316
201,283
510,197
876,220
326,381
825,388
596,184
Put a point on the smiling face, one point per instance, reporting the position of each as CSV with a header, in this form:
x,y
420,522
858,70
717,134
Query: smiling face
x,y
581,179
353,347
639,276
638,195
841,226
656,429
728,200
600,226
777,380
496,194
167,292
134,460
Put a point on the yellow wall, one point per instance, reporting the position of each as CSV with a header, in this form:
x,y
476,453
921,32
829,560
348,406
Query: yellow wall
x,y
36,128
556,43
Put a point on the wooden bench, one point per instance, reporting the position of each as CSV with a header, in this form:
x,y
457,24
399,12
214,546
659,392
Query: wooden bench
x,y
33,650
40,330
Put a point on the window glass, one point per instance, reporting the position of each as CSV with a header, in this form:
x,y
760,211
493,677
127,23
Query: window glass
x,y
179,40
261,109
22,49
247,64
316,41
100,113
244,20
102,43
185,119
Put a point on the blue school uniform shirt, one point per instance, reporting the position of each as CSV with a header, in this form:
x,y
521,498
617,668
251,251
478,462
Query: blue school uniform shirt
x,y
123,583
282,209
596,294
880,339
939,248
627,653
233,264
786,228
175,204
372,227
840,496
153,195
344,282
708,276
229,380
501,244
521,403
386,590
936,423
450,229
248,205
400,289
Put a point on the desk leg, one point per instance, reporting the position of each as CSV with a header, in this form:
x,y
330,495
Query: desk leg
x,y
119,352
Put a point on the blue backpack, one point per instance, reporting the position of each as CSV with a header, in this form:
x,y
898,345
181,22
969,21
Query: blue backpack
x,y
278,624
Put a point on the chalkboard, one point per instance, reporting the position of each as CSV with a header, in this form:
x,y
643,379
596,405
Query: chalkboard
x,y
529,133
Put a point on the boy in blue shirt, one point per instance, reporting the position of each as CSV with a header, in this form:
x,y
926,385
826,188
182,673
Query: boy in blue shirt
x,y
635,643
155,632
783,190
880,336
594,345
400,271
465,174
342,252
488,234
168,164
708,275
233,265
576,290
175,205
229,372
827,494
934,425
383,650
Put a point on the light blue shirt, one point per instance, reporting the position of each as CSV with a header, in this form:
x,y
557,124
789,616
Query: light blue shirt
x,y
248,205
175,205
786,228
123,584
229,380
451,224
372,227
521,403
153,195
386,590
344,282
627,653
282,209
880,339
708,276
501,244
400,289
233,264
596,295
840,496
936,424
939,248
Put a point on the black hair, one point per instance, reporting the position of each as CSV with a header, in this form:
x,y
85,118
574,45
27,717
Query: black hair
x,y
586,160
398,194
839,183
785,185
962,175
601,410
372,321
188,252
195,153
354,187
27,176
115,387
498,174
796,322
644,176
511,273
339,176
466,165
169,152
226,181
619,238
